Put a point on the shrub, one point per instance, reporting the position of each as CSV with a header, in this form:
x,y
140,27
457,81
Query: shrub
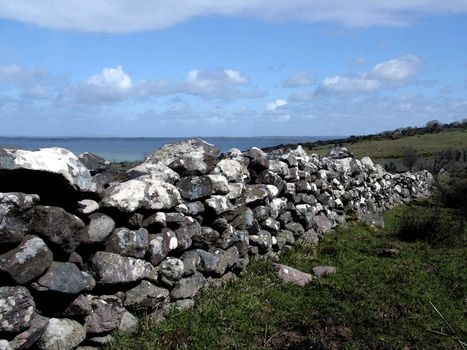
x,y
452,191
431,224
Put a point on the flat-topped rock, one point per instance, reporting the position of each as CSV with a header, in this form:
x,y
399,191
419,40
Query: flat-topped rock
x,y
290,275
53,160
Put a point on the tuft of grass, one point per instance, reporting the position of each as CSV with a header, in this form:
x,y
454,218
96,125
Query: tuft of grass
x,y
372,302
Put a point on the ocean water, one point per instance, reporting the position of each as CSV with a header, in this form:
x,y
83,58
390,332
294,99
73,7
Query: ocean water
x,y
131,149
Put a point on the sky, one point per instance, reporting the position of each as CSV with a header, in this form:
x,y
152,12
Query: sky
x,y
230,67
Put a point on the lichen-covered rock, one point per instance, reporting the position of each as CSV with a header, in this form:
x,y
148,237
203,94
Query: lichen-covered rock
x,y
99,228
26,262
263,240
107,313
186,231
195,187
190,262
145,192
254,193
191,157
16,211
62,333
53,160
156,170
16,309
211,262
111,268
128,242
170,270
64,277
218,204
146,296
55,225
188,287
29,337
160,245
233,170
322,223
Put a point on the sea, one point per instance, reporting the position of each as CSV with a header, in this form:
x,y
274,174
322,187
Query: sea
x,y
132,149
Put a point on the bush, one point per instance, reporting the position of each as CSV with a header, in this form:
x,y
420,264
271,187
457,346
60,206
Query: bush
x,y
452,192
433,225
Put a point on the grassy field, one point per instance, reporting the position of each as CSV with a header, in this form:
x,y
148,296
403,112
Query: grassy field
x,y
373,302
425,145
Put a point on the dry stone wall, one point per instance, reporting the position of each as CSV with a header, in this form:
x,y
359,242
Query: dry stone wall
x,y
83,248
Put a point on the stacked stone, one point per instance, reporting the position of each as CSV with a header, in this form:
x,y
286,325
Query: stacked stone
x,y
81,255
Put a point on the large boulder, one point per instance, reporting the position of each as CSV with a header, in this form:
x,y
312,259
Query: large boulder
x,y
57,226
54,163
190,157
146,192
63,334
111,268
16,211
16,309
26,262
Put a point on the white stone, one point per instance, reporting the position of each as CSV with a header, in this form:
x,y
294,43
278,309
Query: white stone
x,y
63,334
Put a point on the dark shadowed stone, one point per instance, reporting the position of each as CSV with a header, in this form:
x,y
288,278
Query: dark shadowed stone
x,y
30,336
207,236
16,211
295,228
106,316
28,261
186,231
287,236
93,162
146,296
63,334
319,271
155,221
99,228
81,306
195,187
16,308
64,277
188,287
55,225
111,268
291,275
128,242
258,159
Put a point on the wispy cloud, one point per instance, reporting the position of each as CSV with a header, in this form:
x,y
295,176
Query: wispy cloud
x,y
298,79
124,16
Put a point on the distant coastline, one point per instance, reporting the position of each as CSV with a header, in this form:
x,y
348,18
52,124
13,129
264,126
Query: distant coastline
x,y
136,148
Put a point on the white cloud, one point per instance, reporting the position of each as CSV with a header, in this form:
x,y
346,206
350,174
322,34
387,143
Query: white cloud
x,y
124,16
396,70
297,79
276,105
111,78
385,74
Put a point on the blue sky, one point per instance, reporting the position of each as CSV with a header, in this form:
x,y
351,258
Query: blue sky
x,y
230,68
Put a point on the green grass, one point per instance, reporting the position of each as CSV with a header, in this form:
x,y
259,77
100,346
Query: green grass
x,y
426,145
373,302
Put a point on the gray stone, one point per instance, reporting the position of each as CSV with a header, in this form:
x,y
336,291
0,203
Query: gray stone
x,y
28,261
186,231
145,192
188,287
99,228
5,345
219,204
211,262
53,160
81,306
61,334
146,296
254,194
128,323
263,240
339,153
112,268
219,183
258,159
30,336
206,237
87,206
93,162
64,277
106,316
156,221
190,262
319,271
322,224
183,304
57,226
291,275
127,242
16,309
233,170
16,211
